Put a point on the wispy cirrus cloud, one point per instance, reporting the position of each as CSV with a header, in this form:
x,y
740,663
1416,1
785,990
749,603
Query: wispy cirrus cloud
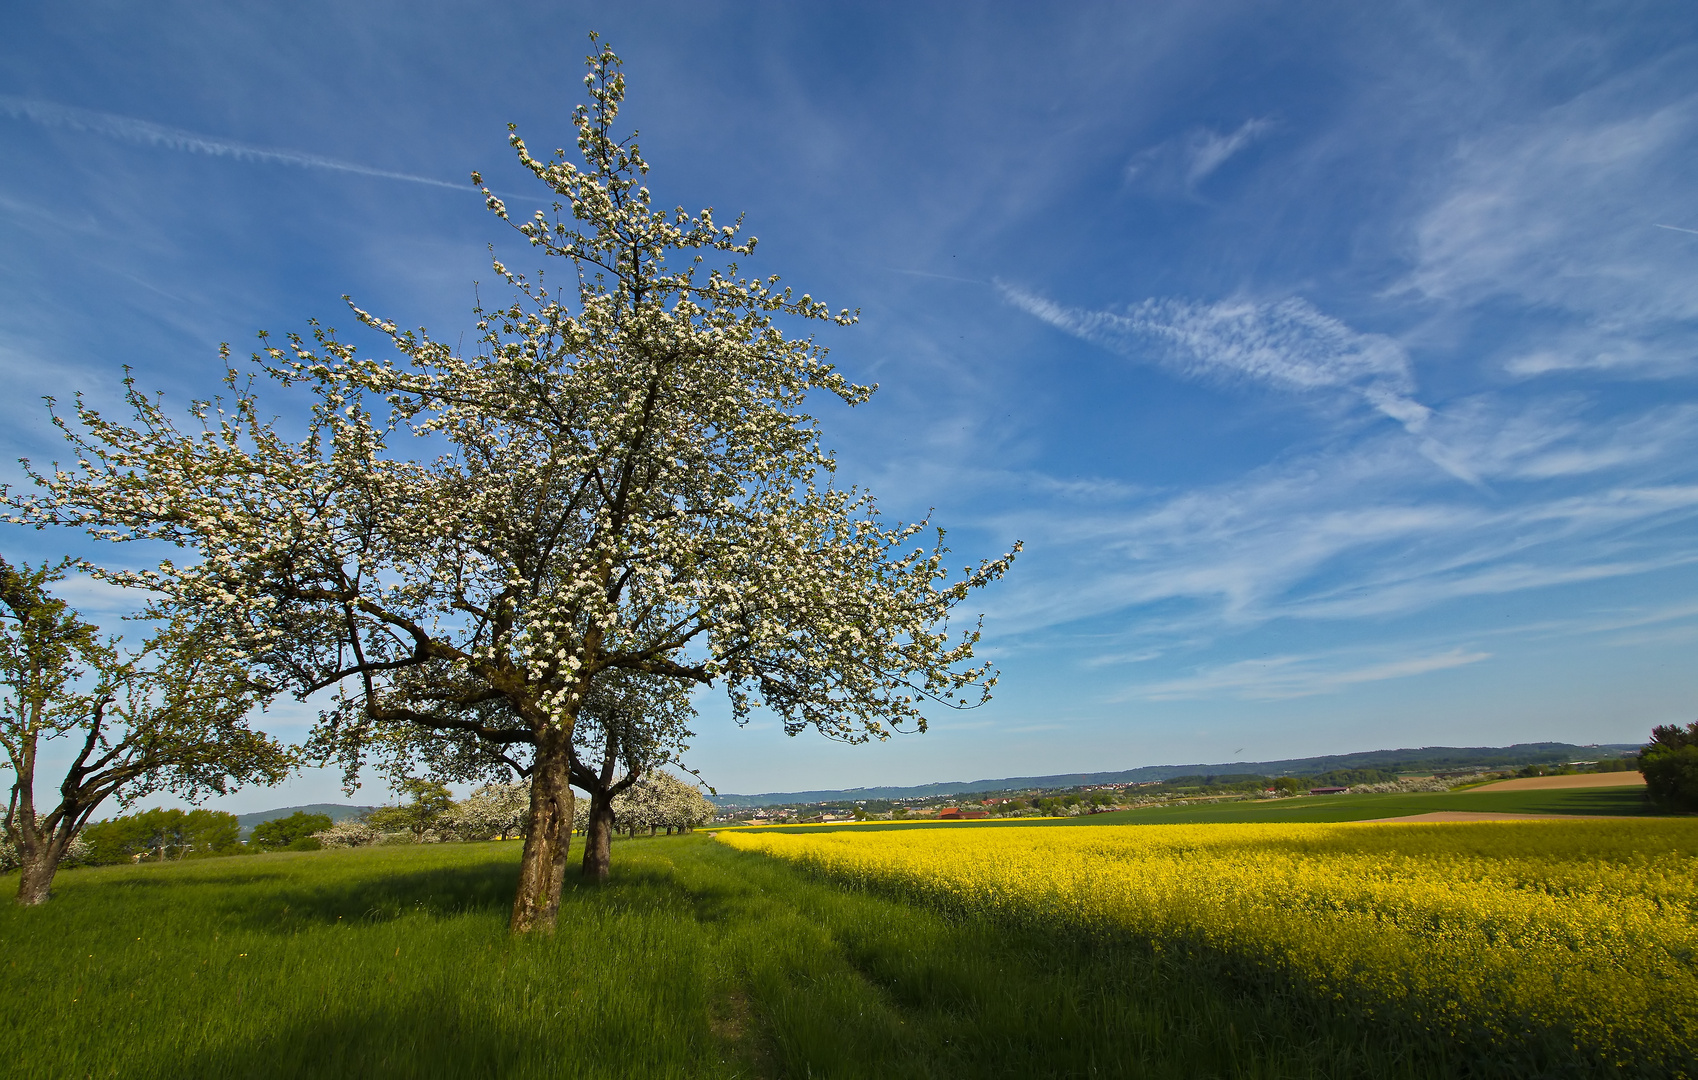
x,y
1560,211
1180,164
1284,677
145,133
1366,530
1573,212
1285,344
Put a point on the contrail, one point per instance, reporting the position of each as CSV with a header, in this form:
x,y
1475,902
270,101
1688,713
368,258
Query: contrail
x,y
940,277
132,130
1677,228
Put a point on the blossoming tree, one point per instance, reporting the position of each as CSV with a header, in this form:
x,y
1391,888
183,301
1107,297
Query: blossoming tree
x,y
662,801
172,716
620,477
498,810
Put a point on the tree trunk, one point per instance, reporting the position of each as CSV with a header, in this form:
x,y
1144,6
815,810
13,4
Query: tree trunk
x,y
542,867
598,838
40,862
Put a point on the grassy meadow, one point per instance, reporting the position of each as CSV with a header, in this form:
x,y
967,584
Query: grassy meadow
x,y
699,960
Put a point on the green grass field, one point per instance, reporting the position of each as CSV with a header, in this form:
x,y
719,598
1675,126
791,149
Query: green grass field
x,y
696,961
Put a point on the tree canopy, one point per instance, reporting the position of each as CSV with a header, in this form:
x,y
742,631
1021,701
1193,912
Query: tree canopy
x,y
429,803
1670,764
163,834
662,801
293,831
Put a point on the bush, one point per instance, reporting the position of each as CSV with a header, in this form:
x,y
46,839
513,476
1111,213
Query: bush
x,y
1620,764
352,832
1418,783
76,854
1670,764
305,843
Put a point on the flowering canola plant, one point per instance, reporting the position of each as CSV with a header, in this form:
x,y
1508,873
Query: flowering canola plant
x,y
1578,934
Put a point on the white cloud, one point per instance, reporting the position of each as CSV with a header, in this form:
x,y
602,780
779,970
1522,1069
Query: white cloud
x,y
145,133
1185,162
1590,348
1566,213
1286,344
1209,150
1285,677
1386,597
1365,529
1556,438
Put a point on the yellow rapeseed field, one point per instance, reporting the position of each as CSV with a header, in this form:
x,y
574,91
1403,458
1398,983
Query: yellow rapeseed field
x,y
1500,933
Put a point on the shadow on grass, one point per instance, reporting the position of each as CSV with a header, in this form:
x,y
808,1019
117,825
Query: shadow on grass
x,y
444,891
278,896
417,1036
483,888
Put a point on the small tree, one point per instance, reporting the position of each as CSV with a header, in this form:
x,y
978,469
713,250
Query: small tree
x,y
637,808
115,840
171,716
213,832
1670,764
163,834
289,832
661,801
431,802
682,804
620,477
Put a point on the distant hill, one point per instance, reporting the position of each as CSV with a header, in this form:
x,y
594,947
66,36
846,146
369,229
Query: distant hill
x,y
334,811
1436,759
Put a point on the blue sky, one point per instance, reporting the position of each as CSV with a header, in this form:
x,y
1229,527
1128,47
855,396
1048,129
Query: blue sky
x,y
1335,362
